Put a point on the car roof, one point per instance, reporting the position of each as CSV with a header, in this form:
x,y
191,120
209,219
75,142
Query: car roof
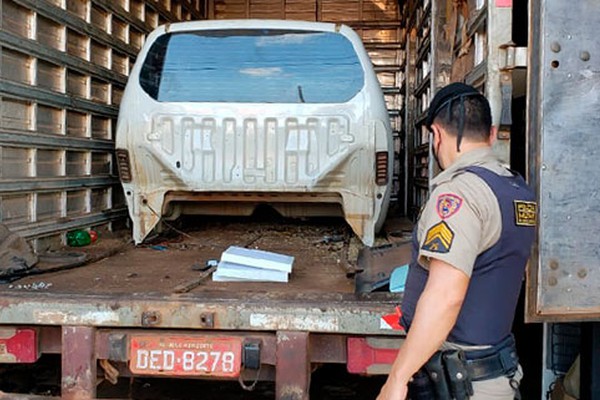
x,y
250,24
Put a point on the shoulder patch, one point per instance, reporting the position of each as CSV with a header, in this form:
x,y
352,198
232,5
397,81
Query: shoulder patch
x,y
439,238
525,213
448,204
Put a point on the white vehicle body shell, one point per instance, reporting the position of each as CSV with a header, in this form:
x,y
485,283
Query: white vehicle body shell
x,y
225,158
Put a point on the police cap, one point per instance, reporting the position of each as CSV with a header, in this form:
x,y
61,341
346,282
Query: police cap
x,y
445,97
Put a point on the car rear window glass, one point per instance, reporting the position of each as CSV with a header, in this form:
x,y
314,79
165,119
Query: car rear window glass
x,y
252,66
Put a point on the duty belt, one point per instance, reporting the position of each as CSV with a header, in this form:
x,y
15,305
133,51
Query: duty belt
x,y
449,374
499,360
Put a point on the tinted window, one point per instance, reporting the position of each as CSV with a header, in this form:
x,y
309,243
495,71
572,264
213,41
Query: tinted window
x,y
252,66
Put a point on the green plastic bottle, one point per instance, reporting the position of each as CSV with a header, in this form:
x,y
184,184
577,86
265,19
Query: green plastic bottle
x,y
78,238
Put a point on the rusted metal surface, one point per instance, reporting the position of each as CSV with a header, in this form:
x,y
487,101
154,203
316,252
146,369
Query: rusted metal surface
x,y
563,118
327,348
151,318
16,396
332,314
266,374
50,339
188,286
207,320
292,375
377,263
135,288
117,343
78,363
112,344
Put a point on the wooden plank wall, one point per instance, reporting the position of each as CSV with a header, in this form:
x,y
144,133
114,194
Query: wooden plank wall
x,y
309,10
64,65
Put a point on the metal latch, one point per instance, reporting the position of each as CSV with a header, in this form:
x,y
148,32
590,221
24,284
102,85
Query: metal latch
x,y
512,57
251,354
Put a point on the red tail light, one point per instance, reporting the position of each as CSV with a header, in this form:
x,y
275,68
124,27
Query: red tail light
x,y
381,168
18,345
123,165
371,355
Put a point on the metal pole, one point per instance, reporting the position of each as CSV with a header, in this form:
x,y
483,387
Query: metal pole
x,y
292,374
78,363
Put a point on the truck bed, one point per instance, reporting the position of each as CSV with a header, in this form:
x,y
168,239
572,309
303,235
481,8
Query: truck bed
x,y
119,289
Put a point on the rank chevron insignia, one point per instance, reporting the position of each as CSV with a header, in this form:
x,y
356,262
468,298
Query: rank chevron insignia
x,y
439,238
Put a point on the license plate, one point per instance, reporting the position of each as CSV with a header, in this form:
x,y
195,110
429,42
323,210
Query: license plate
x,y
185,355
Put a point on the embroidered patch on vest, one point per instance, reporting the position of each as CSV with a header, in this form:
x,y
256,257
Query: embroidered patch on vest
x,y
525,213
439,238
448,204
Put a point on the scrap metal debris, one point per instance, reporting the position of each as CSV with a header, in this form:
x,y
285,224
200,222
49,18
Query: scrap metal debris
x,y
16,256
198,266
332,239
186,287
55,262
111,373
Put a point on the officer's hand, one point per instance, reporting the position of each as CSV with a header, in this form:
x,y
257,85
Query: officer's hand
x,y
393,390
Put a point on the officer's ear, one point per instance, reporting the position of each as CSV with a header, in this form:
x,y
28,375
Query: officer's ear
x,y
436,132
493,135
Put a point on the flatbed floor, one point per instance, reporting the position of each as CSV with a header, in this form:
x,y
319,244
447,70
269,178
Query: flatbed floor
x,y
160,268
120,289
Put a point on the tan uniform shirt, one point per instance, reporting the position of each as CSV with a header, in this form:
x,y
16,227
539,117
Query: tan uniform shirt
x,y
462,217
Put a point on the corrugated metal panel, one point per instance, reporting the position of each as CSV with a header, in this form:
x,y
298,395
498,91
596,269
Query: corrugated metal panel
x,y
563,118
64,65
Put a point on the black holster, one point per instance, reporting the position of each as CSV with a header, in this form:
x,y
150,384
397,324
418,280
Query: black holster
x,y
443,377
420,387
448,375
457,374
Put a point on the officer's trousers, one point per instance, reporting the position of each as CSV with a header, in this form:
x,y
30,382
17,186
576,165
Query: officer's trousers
x,y
501,388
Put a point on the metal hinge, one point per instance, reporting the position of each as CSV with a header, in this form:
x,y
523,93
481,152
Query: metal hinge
x,y
512,57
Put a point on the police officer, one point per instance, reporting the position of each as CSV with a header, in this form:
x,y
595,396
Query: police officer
x,y
470,248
